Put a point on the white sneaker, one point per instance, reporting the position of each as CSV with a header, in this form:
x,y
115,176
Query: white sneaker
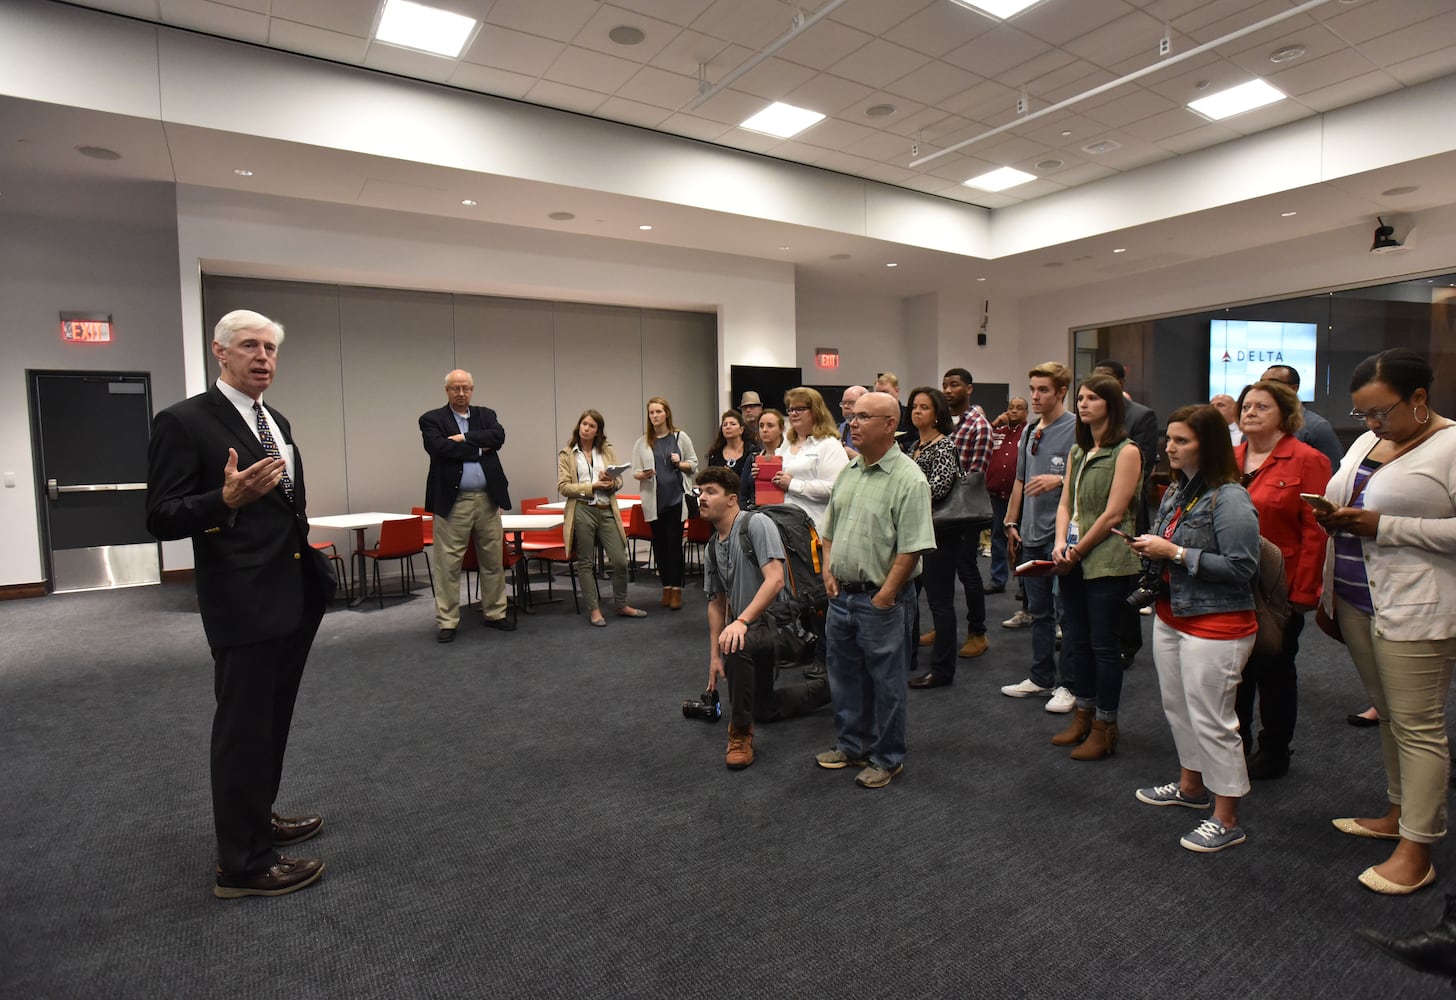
x,y
1062,701
1019,620
1026,689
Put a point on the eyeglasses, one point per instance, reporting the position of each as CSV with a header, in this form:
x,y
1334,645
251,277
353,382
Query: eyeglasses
x,y
1035,442
859,418
1377,416
796,409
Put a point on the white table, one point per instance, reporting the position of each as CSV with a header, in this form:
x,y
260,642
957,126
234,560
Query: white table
x,y
358,523
561,505
517,525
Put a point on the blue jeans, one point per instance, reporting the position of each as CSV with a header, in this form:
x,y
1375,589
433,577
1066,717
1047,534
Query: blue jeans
x,y
1041,605
869,667
1000,567
1091,639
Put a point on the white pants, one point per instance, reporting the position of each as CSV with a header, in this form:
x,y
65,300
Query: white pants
x,y
1199,678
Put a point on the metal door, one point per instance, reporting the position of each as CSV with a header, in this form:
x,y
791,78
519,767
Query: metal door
x,y
90,431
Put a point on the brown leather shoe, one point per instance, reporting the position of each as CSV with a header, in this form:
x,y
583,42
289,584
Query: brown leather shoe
x,y
295,829
667,597
676,599
974,645
287,875
928,639
1076,730
740,748
929,680
1101,742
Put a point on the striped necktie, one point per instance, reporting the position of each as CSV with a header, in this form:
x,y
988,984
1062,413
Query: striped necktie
x,y
265,435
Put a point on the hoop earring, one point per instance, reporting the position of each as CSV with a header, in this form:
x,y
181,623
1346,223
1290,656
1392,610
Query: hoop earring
x,y
1427,417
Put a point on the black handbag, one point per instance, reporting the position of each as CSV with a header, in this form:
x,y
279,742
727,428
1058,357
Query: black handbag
x,y
968,503
690,502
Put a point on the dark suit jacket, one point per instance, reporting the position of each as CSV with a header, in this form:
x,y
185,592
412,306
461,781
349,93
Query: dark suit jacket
x,y
252,564
482,442
1142,427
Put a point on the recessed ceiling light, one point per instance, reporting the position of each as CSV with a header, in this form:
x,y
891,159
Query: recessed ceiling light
x,y
782,120
1286,54
1120,250
1048,164
626,34
1398,191
892,264
1000,179
1101,146
469,202
1286,215
786,247
426,29
562,216
980,279
879,110
243,173
1000,9
1066,132
1236,100
644,228
98,152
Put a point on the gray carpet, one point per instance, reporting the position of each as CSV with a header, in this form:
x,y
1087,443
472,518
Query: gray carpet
x,y
529,815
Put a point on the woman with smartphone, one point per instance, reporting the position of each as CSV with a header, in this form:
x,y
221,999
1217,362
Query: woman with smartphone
x,y
1104,471
1390,583
1206,539
1277,467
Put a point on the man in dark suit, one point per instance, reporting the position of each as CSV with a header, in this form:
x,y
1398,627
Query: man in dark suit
x,y
466,491
223,471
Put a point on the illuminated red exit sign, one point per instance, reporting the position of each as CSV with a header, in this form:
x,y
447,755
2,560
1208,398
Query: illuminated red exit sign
x,y
826,357
86,328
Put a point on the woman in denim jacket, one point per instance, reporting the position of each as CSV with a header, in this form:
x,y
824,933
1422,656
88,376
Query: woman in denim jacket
x,y
1206,539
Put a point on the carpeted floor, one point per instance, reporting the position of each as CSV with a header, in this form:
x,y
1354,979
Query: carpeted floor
x,y
529,815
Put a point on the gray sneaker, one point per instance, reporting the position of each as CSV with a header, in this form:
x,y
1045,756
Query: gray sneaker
x,y
1212,837
1026,689
1171,795
834,758
875,776
1019,620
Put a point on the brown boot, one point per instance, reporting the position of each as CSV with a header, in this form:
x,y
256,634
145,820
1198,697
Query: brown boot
x,y
1076,730
928,639
974,645
1101,742
667,597
675,597
740,748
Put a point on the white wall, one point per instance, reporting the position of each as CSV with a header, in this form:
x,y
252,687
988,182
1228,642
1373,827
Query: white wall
x,y
869,331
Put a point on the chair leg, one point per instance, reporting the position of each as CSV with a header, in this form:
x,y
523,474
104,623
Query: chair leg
x,y
378,587
429,572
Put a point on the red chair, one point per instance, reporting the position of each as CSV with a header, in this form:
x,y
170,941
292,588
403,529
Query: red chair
x,y
549,547
402,539
343,572
530,506
696,533
638,530
429,523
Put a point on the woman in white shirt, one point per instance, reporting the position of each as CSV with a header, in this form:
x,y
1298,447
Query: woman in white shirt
x,y
813,456
591,513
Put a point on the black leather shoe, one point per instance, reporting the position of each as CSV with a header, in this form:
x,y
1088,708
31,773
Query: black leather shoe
x,y
930,680
1361,721
446,635
500,624
1269,762
287,875
295,829
994,589
1432,951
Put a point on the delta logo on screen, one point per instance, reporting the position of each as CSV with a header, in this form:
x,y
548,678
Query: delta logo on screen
x,y
1241,350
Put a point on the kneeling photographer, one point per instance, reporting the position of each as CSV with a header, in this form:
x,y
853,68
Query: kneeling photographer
x,y
742,633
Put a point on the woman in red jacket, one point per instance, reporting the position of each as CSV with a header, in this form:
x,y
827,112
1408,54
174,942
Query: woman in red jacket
x,y
1277,468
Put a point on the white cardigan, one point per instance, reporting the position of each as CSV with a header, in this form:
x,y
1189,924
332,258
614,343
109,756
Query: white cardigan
x,y
1411,561
643,459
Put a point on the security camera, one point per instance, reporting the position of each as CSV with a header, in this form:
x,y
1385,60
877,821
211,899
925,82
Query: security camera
x,y
1385,241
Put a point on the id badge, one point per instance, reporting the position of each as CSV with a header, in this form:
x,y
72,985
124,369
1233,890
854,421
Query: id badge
x,y
1072,533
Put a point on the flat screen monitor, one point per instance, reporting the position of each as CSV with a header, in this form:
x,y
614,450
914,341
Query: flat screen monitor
x,y
1240,350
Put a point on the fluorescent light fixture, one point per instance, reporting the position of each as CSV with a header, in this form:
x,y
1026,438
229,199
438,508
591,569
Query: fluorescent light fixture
x,y
428,29
782,120
1002,9
1000,179
1236,100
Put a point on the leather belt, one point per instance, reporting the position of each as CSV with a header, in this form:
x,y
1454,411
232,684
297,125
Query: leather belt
x,y
859,588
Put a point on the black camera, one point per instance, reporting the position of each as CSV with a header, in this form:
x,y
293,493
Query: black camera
x,y
706,708
1145,592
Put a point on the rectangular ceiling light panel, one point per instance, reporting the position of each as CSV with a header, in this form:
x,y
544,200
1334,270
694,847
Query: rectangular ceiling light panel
x,y
1000,179
782,120
1236,100
1002,9
428,29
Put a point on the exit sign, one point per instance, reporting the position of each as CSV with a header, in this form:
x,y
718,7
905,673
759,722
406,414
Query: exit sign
x,y
86,328
826,357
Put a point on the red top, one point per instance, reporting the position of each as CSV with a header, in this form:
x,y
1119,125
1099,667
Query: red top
x,y
1287,521
1001,473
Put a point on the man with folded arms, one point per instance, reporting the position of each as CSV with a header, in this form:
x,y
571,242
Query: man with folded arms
x,y
222,470
877,524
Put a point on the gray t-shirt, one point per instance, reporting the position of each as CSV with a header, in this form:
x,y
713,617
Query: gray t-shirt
x,y
726,570
1039,513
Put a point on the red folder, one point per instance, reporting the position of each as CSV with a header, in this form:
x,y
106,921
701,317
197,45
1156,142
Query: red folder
x,y
1037,567
765,468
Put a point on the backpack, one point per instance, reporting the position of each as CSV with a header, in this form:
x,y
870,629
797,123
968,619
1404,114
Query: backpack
x,y
804,595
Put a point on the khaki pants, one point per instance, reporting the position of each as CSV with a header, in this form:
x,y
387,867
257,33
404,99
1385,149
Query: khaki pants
x,y
476,512
589,526
1407,683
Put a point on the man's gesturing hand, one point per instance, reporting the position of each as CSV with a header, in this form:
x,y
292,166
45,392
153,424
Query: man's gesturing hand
x,y
256,481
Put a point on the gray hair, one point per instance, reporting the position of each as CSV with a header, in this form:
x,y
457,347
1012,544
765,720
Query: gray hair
x,y
244,319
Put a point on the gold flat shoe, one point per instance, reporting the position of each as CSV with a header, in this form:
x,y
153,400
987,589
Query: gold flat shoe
x,y
1354,829
1373,880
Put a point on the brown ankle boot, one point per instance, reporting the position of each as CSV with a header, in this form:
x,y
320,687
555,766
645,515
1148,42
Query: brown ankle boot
x,y
740,748
675,598
1076,730
667,597
1101,742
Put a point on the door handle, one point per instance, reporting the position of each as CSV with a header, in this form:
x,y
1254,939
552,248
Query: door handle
x,y
54,491
51,490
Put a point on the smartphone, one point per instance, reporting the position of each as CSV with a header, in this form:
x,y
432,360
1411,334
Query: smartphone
x,y
1318,502
1120,533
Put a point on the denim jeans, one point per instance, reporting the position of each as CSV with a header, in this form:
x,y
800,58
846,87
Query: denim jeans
x,y
869,658
1000,567
1091,631
1046,669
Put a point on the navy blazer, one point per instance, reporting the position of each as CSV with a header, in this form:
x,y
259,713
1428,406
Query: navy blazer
x,y
252,564
483,441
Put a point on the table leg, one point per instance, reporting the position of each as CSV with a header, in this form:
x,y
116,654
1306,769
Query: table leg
x,y
361,579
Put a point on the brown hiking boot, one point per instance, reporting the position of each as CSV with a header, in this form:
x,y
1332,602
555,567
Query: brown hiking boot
x,y
928,639
974,645
740,748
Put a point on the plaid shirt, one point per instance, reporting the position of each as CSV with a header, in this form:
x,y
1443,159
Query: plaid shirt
x,y
973,441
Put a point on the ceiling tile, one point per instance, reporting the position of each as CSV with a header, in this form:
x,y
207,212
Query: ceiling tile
x,y
691,49
888,173
679,12
939,28
335,15
1316,42
654,86
1073,88
515,51
313,41
997,51
1034,68
1060,23
877,63
1422,68
559,19
741,138
933,82
632,112
1081,173
1126,105
904,108
801,152
828,94
408,62
591,70
882,146
1062,82
695,127
594,35
1302,77
1361,88
729,106
846,164
1197,138
987,99
770,79
216,19
1161,127
489,80
917,122
1268,117
835,133
1416,40
1135,34
568,98
824,44
877,18
1371,20
753,23
1182,86
147,9
1216,18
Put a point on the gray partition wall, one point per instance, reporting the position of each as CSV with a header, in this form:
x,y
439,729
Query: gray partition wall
x,y
359,365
